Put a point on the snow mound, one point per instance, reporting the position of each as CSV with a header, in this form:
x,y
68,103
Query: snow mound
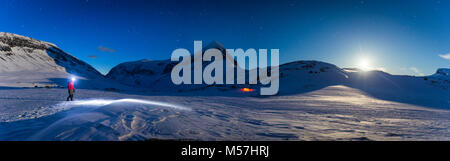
x,y
305,76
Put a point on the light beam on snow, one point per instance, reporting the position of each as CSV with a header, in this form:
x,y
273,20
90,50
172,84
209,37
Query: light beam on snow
x,y
104,102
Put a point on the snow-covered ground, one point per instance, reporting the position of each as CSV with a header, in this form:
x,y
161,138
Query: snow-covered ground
x,y
332,113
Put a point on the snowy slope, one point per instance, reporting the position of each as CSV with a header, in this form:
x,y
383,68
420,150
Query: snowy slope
x,y
305,76
406,89
26,62
20,53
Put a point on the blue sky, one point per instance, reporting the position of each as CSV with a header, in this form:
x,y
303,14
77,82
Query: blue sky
x,y
400,37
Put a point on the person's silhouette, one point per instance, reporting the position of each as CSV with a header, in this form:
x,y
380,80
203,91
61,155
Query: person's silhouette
x,y
71,89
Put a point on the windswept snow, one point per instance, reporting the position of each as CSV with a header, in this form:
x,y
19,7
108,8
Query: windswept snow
x,y
332,113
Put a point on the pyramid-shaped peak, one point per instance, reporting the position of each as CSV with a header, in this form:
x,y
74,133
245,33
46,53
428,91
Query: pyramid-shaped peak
x,y
214,45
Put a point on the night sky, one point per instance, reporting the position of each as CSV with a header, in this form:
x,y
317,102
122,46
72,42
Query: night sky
x,y
401,37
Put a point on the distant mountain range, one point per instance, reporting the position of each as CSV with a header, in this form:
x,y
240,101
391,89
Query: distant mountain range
x,y
25,62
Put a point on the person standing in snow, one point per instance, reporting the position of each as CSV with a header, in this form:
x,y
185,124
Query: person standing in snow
x,y
71,89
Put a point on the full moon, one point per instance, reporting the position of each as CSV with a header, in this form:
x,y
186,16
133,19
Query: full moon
x,y
364,64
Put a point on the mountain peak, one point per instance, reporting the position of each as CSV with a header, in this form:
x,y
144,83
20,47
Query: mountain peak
x,y
214,45
443,71
23,41
442,74
145,60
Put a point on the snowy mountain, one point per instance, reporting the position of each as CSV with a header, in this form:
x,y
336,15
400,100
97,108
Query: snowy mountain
x,y
442,74
26,62
440,79
155,74
143,73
